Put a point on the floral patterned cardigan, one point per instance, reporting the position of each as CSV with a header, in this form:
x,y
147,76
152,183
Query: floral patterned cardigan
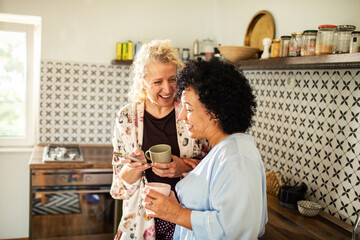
x,y
128,134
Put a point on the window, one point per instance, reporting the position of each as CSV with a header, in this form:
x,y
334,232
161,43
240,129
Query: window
x,y
19,79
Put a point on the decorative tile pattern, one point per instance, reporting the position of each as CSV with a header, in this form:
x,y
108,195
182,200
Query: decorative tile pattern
x,y
78,101
311,133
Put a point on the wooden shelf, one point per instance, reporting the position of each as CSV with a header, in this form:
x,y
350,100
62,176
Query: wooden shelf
x,y
333,61
121,62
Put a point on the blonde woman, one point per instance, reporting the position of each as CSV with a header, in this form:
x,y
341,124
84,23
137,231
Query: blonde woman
x,y
151,118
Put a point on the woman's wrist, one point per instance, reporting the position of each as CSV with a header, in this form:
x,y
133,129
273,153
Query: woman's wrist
x,y
182,217
129,174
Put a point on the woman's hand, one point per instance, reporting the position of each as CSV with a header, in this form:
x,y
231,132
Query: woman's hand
x,y
137,166
191,162
172,170
132,171
166,208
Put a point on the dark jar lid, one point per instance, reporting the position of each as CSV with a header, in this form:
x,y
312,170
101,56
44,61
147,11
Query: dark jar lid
x,y
355,32
285,37
346,28
310,31
327,26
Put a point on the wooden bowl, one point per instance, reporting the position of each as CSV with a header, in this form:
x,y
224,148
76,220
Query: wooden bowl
x,y
236,53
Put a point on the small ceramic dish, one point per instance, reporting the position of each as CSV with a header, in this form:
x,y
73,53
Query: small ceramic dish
x,y
308,208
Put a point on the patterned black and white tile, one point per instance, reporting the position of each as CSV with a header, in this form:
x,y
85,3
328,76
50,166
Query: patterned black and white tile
x,y
307,128
78,101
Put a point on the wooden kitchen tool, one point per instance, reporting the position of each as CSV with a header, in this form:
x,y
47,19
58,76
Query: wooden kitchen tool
x,y
261,26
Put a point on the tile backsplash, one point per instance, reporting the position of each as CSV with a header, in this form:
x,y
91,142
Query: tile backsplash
x,y
78,101
306,126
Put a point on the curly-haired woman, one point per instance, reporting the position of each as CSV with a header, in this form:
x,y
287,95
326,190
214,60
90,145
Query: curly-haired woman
x,y
224,197
148,120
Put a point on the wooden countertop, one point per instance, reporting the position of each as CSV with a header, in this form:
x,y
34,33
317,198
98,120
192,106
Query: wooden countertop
x,y
95,156
285,223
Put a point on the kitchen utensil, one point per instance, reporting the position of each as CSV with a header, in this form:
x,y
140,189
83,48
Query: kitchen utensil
x,y
160,153
185,54
162,188
236,53
356,230
119,154
196,48
266,52
261,26
290,195
308,208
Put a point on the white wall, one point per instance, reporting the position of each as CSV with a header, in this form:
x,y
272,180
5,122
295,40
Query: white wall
x,y
14,195
87,30
289,16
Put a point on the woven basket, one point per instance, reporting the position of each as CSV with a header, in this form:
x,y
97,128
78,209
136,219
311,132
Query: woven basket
x,y
273,183
308,208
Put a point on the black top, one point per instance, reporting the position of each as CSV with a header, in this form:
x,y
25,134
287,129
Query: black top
x,y
160,131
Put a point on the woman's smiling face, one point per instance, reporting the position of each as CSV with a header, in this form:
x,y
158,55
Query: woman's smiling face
x,y
160,84
198,121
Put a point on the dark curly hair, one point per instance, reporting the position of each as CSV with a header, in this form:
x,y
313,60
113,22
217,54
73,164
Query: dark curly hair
x,y
223,90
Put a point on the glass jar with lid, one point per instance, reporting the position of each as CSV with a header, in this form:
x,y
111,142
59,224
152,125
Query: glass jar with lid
x,y
284,46
275,48
325,39
185,54
355,42
208,48
308,43
342,38
295,44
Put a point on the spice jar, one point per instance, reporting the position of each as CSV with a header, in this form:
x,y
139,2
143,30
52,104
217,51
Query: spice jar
x,y
185,54
295,44
275,48
208,48
325,39
284,46
355,42
342,38
308,43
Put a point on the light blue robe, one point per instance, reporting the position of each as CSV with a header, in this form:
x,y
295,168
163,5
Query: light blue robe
x,y
226,193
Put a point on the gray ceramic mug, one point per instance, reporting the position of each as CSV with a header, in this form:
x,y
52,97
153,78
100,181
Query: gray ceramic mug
x,y
160,153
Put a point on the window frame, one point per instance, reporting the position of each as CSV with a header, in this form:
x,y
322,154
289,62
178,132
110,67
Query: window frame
x,y
32,26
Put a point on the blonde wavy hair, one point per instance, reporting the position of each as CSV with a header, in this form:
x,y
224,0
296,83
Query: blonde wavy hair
x,y
155,51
